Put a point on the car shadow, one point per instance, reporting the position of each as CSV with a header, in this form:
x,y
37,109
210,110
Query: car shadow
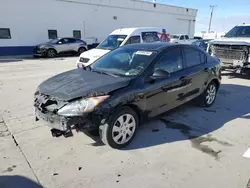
x,y
17,182
190,122
233,74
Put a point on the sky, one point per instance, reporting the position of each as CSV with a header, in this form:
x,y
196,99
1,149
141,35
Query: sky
x,y
227,14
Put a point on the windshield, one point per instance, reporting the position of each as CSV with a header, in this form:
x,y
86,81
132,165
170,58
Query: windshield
x,y
124,62
54,41
174,36
239,31
112,42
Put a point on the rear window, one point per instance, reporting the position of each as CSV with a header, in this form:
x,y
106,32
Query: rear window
x,y
192,57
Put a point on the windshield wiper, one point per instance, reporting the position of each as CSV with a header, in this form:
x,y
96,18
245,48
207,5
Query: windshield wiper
x,y
104,72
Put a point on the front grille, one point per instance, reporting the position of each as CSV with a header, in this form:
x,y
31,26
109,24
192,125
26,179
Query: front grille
x,y
35,49
84,60
45,104
229,52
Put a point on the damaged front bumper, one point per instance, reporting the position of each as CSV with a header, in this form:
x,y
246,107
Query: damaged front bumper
x,y
46,109
65,124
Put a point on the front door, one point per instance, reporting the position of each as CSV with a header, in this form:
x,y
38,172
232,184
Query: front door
x,y
62,45
168,93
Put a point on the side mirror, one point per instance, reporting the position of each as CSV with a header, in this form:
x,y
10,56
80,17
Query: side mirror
x,y
60,42
160,73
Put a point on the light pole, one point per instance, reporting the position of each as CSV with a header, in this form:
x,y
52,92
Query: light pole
x,y
211,16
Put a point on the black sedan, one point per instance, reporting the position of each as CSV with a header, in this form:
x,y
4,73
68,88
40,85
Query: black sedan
x,y
125,87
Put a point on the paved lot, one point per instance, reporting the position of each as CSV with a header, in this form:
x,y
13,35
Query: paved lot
x,y
189,147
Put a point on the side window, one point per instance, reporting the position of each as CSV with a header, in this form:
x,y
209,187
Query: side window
x,y
203,57
71,40
52,34
182,37
65,41
172,61
187,37
5,33
192,57
134,40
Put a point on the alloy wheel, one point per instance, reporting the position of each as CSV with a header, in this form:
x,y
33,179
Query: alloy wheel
x,y
123,129
211,94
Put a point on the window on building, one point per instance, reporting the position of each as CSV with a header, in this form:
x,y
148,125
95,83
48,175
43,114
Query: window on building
x,y
52,34
193,57
77,34
172,61
5,33
134,40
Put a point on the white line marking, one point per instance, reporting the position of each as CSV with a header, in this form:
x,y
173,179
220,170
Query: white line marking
x,y
247,154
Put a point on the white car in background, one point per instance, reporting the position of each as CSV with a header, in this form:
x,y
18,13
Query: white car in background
x,y
181,39
119,38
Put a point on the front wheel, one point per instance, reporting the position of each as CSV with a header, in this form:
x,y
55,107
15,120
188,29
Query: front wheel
x,y
51,53
208,97
120,129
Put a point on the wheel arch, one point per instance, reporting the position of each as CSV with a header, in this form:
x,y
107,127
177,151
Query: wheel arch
x,y
216,81
134,107
52,49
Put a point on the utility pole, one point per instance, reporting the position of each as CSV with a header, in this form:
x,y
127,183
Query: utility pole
x,y
211,16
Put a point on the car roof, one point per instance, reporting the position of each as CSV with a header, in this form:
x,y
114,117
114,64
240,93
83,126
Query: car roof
x,y
157,46
129,31
154,46
243,24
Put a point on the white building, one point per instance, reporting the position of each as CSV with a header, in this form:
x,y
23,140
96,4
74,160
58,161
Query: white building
x,y
25,23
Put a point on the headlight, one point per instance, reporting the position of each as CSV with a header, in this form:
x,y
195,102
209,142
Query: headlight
x,y
82,106
43,46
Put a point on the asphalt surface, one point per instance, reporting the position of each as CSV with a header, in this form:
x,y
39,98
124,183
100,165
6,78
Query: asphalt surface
x,y
189,147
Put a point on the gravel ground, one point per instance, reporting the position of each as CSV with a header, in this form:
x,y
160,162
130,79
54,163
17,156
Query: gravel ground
x,y
189,147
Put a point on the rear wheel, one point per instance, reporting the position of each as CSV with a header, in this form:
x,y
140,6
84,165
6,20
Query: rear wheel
x,y
51,53
208,97
119,131
81,50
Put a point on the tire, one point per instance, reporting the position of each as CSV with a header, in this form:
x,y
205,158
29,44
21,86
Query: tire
x,y
51,53
209,95
120,129
81,50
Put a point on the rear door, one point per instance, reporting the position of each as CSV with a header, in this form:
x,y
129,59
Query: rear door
x,y
73,45
196,71
167,93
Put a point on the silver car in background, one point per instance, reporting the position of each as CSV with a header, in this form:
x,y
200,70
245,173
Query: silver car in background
x,y
60,46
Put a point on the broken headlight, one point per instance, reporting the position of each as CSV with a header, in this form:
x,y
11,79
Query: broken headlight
x,y
79,107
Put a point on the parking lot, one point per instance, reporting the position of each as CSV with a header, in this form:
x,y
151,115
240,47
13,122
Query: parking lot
x,y
188,147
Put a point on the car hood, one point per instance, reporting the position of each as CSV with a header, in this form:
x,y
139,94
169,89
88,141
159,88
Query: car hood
x,y
80,83
93,55
46,44
232,41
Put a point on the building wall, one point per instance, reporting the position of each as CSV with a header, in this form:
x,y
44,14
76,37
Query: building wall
x,y
29,20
